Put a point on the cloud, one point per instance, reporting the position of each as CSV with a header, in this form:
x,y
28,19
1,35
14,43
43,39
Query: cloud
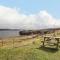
x,y
14,18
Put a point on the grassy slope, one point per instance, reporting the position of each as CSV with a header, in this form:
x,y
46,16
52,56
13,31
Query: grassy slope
x,y
29,52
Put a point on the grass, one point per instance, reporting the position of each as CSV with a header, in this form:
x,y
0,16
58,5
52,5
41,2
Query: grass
x,y
30,51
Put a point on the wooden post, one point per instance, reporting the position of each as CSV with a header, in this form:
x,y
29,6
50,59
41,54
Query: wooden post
x,y
2,42
43,41
57,43
13,43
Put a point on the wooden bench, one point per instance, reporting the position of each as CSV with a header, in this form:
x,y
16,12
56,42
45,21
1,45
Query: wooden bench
x,y
49,38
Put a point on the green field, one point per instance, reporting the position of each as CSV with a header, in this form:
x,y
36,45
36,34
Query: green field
x,y
31,51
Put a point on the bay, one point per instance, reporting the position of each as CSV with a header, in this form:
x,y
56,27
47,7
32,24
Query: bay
x,y
8,33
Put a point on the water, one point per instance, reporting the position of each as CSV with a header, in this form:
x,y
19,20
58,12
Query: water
x,y
9,33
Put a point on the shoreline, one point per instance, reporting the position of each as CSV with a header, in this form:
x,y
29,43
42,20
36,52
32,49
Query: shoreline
x,y
17,41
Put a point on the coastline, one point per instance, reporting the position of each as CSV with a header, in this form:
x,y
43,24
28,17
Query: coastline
x,y
17,41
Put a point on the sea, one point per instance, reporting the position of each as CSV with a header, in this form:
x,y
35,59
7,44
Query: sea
x,y
9,33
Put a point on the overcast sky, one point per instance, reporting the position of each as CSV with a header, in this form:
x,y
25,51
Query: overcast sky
x,y
29,14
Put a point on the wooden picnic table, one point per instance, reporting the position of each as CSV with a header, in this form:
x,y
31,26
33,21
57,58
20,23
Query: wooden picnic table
x,y
48,38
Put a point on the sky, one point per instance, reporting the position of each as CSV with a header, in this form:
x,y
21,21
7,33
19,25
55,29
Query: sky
x,y
29,14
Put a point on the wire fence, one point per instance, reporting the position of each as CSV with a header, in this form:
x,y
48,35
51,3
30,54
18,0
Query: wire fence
x,y
16,42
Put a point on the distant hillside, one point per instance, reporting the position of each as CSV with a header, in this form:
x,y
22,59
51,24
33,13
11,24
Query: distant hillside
x,y
9,29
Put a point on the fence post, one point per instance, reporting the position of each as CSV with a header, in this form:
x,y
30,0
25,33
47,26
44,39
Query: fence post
x,y
13,43
2,42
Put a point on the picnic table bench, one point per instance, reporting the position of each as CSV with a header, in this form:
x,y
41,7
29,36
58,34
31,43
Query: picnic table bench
x,y
49,38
